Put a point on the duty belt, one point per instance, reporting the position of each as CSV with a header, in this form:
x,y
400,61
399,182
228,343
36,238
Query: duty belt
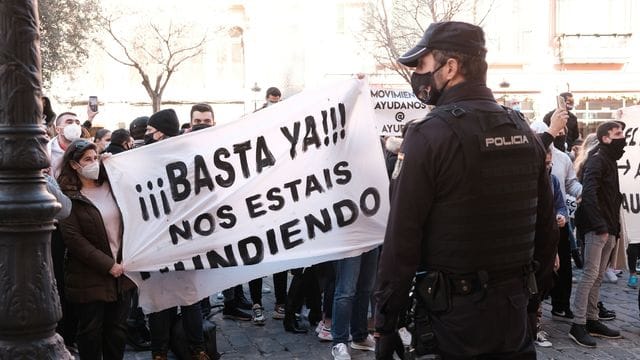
x,y
465,284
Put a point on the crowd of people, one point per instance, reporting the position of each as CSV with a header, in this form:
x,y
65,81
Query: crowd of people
x,y
482,241
100,306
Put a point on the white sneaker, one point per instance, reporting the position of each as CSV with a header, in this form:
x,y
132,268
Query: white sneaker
x,y
325,334
319,326
541,339
368,344
610,276
340,352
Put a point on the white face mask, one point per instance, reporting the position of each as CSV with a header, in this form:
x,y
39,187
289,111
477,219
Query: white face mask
x,y
90,171
72,132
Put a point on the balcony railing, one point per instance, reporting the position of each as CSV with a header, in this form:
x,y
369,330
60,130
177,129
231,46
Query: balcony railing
x,y
593,48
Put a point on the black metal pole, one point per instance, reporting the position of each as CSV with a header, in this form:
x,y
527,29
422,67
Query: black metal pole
x,y
29,303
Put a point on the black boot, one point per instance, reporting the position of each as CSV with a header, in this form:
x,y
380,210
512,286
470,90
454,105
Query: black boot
x,y
241,300
138,338
294,301
292,324
231,311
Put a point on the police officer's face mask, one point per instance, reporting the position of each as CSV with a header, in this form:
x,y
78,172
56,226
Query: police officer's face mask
x,y
424,86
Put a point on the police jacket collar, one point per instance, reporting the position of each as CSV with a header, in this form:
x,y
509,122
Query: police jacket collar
x,y
468,90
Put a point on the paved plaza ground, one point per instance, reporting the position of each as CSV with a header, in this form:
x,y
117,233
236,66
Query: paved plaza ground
x,y
243,341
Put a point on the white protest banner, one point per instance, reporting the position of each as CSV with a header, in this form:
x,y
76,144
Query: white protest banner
x,y
298,183
629,171
394,108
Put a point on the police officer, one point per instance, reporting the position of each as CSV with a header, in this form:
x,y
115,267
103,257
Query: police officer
x,y
470,204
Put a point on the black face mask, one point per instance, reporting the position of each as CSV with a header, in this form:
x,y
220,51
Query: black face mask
x,y
617,147
424,87
149,139
560,142
199,127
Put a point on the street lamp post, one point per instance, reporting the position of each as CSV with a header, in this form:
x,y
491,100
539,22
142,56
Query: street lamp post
x,y
29,303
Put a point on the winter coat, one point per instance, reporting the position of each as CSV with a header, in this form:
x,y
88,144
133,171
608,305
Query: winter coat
x,y
89,259
599,210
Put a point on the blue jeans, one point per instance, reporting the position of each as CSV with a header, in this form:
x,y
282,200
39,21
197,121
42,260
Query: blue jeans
x,y
355,278
597,250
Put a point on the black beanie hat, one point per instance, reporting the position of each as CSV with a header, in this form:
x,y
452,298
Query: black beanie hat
x,y
138,127
165,121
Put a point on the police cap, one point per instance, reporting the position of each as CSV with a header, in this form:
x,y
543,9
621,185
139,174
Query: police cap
x,y
450,35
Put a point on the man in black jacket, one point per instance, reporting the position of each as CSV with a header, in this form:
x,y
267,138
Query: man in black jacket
x,y
598,217
471,208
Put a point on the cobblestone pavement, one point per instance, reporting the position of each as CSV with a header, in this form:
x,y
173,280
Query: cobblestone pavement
x,y
242,340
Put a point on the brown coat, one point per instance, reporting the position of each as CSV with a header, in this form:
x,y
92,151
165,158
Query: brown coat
x,y
88,259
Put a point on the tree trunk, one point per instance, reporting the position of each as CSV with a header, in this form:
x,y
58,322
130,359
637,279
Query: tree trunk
x,y
156,101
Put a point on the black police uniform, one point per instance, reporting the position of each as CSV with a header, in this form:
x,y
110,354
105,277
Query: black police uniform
x,y
470,202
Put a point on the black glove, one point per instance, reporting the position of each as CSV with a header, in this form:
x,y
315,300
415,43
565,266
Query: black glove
x,y
387,344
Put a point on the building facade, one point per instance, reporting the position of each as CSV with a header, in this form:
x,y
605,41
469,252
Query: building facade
x,y
537,49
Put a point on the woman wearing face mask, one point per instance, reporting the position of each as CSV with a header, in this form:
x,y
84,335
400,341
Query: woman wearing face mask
x,y
102,139
94,279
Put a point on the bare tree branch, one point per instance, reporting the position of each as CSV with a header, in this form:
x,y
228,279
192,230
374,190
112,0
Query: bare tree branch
x,y
486,14
163,52
391,30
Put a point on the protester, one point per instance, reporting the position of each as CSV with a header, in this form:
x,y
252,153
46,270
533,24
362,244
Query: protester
x,y
472,214
163,125
102,139
67,130
534,308
93,271
326,282
202,116
355,277
563,170
121,140
304,289
598,217
565,143
272,96
138,128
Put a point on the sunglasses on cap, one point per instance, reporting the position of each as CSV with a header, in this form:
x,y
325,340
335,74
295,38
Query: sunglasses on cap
x,y
79,146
